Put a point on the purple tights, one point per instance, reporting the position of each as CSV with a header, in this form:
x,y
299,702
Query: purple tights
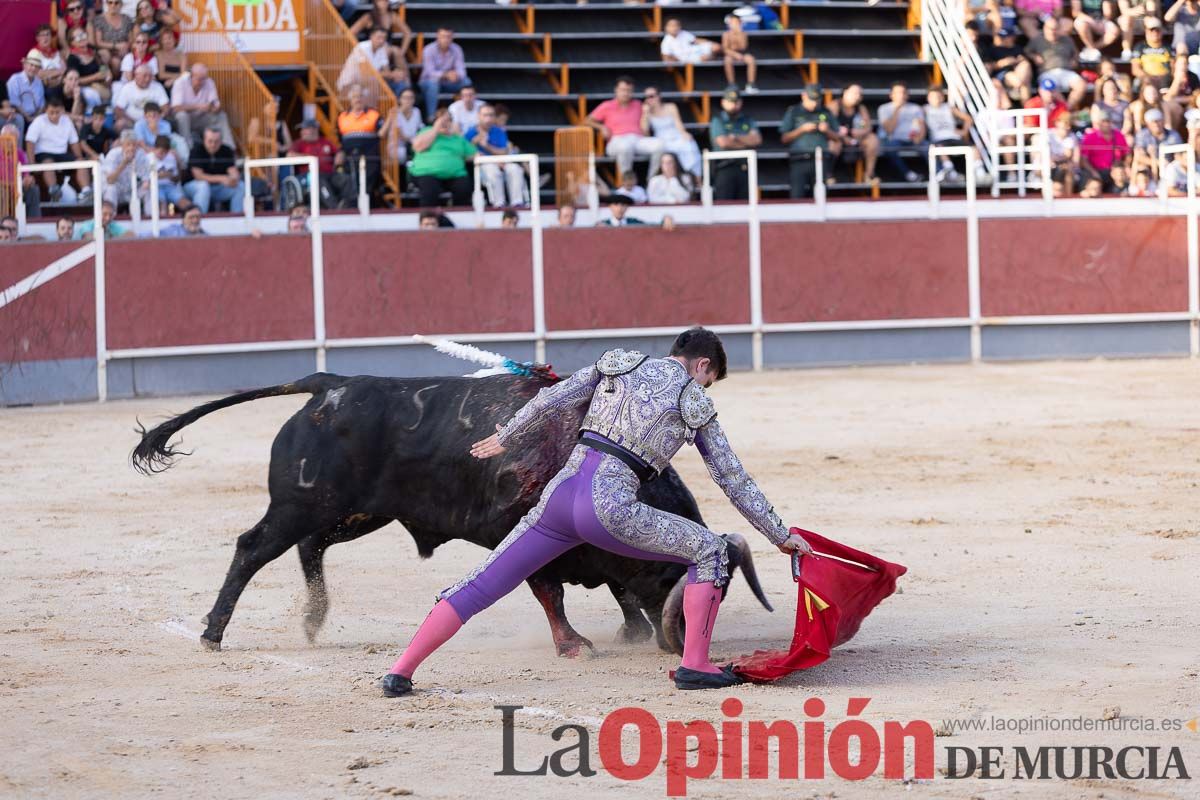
x,y
569,519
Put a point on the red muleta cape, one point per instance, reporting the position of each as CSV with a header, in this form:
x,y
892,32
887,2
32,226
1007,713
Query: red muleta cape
x,y
833,598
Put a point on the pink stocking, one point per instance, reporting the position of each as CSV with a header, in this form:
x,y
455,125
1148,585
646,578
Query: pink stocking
x,y
700,604
440,624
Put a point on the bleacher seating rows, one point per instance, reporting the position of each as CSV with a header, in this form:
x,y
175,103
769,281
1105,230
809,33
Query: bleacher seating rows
x,y
550,62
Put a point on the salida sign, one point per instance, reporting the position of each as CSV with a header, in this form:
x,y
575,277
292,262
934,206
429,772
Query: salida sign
x,y
267,31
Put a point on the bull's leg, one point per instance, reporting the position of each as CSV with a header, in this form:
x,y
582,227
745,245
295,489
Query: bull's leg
x,y
635,628
268,540
312,560
567,641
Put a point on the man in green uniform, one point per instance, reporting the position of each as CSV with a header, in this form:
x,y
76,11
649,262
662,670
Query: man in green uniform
x,y
807,127
732,130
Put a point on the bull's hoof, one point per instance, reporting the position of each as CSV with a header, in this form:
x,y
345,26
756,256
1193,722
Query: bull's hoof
x,y
211,644
573,647
631,634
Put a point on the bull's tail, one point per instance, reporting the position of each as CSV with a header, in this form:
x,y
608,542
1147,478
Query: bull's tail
x,y
154,453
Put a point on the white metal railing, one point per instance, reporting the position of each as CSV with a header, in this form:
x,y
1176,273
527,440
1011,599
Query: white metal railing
x,y
531,162
1011,135
969,88
752,221
94,249
1188,150
314,229
974,309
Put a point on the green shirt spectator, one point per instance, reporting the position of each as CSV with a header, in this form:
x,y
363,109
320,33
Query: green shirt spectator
x,y
446,158
808,113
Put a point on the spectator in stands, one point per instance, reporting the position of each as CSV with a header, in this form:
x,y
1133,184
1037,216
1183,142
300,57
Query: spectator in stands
x,y
403,125
359,128
152,18
1008,66
1064,156
948,127
78,100
51,65
1131,12
1101,148
139,55
662,121
26,93
215,174
1054,57
95,135
509,219
440,162
735,44
490,139
1118,179
464,111
1001,14
381,16
377,53
191,226
443,69
680,46
112,229
297,220
1049,99
1185,16
64,229
731,129
151,126
856,137
110,34
671,185
429,221
1108,101
1095,22
172,62
629,185
618,208
1148,140
347,9
196,106
169,188
29,188
806,128
1143,185
120,166
73,19
52,138
129,106
566,216
901,127
93,73
1150,98
337,185
619,121
1153,61
9,229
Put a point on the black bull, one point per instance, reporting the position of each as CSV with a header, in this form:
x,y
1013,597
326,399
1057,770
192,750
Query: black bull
x,y
365,451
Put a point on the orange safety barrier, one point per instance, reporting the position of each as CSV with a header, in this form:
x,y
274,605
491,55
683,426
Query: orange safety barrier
x,y
10,183
335,66
572,147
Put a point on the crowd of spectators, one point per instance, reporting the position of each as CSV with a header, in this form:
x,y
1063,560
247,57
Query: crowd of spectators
x,y
1105,125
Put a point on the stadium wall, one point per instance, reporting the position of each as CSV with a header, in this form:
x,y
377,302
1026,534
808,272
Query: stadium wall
x,y
837,292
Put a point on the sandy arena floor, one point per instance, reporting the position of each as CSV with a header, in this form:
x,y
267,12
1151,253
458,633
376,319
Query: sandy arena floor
x,y
1047,513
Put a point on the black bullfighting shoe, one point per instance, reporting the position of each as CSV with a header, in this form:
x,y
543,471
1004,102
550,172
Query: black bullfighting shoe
x,y
395,685
695,679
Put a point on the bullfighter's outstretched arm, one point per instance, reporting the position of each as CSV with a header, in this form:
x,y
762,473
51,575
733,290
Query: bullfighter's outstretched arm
x,y
551,403
727,470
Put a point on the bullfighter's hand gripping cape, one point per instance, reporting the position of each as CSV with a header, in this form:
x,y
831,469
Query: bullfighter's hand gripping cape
x,y
836,588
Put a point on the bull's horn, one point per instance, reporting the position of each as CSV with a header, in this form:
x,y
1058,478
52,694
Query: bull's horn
x,y
672,616
744,559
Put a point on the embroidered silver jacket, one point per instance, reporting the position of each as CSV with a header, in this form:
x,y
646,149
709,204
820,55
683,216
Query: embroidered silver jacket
x,y
651,407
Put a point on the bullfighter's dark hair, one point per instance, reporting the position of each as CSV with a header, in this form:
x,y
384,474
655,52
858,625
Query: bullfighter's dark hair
x,y
702,343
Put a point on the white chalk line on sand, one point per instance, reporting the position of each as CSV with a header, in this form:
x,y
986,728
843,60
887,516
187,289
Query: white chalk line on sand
x,y
176,626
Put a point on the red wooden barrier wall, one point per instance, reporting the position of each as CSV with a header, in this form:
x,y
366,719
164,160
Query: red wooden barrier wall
x,y
238,289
